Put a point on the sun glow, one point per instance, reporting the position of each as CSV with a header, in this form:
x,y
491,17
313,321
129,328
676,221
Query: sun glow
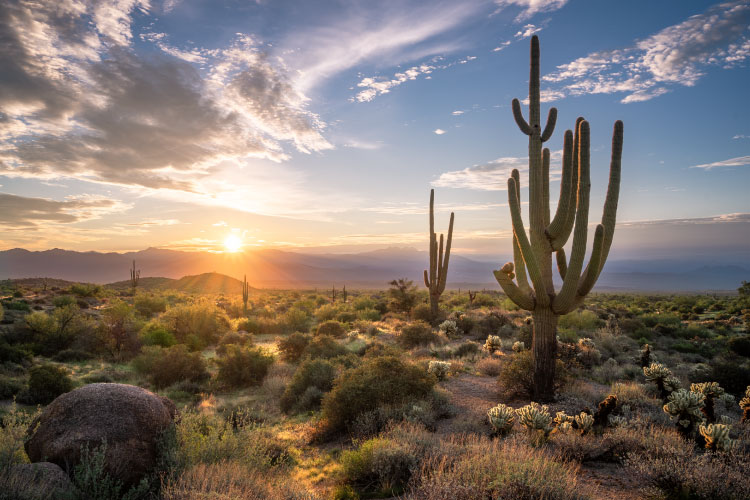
x,y
233,243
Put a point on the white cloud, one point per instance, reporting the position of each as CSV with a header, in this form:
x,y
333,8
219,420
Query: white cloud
x,y
741,136
439,131
528,31
530,7
677,55
374,86
740,161
501,46
457,113
493,176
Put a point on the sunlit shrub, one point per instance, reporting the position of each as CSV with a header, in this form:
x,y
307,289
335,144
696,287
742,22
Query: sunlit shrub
x,y
166,366
313,378
239,367
416,333
46,382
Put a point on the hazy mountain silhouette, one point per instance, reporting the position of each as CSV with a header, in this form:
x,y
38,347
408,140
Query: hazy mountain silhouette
x,y
373,269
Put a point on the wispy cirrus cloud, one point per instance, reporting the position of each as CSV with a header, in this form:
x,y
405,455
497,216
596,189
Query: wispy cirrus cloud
x,y
740,161
528,31
677,55
493,176
529,8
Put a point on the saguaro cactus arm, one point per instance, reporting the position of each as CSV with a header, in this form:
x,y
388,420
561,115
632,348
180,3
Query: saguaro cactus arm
x,y
520,265
436,277
566,190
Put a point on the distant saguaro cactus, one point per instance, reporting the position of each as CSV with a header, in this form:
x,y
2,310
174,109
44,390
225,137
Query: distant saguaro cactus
x,y
434,280
135,276
245,293
533,255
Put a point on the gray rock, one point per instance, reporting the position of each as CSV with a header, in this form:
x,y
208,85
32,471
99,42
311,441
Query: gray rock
x,y
42,480
130,419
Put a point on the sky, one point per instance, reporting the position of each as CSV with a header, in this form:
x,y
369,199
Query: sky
x,y
322,126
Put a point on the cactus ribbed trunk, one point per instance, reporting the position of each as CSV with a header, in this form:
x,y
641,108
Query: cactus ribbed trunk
x,y
435,278
544,351
533,289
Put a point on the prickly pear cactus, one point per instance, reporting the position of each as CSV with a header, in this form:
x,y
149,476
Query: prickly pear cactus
x,y
717,437
493,343
685,406
501,418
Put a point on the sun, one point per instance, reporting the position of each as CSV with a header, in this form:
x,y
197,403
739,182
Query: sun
x,y
233,243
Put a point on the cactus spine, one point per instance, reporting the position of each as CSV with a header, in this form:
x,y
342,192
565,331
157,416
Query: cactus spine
x,y
533,254
135,276
435,278
245,293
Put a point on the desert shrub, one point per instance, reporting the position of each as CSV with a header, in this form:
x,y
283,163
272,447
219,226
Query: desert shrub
x,y
379,349
580,321
740,345
296,320
166,366
71,356
154,333
416,333
85,290
422,412
233,338
402,296
16,305
148,305
52,333
490,367
46,382
119,330
368,315
293,346
517,375
422,312
379,465
240,366
9,387
63,300
346,317
324,347
13,354
732,376
680,473
468,348
313,378
13,427
331,328
491,324
379,381
201,323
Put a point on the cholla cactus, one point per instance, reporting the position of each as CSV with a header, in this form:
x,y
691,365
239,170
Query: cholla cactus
x,y
449,328
493,343
711,390
501,418
686,407
586,343
717,437
672,384
659,374
439,368
745,405
537,420
589,355
584,422
353,335
518,346
562,418
617,421
727,400
646,357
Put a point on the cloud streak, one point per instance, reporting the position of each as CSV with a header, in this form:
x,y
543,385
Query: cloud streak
x,y
24,212
740,161
677,55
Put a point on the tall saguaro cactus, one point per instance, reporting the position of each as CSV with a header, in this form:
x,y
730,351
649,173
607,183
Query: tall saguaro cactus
x,y
135,276
245,293
435,279
533,254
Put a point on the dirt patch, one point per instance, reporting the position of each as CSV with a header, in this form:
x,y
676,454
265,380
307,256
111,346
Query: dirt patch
x,y
472,396
611,481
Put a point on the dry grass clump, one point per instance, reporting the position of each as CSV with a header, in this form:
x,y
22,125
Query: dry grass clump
x,y
232,480
489,366
478,468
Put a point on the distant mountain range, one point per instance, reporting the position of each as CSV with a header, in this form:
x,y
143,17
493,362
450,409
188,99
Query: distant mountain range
x,y
286,269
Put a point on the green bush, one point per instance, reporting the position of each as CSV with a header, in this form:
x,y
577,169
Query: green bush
x,y
296,320
85,290
331,328
313,378
324,347
580,321
13,354
377,382
293,346
46,382
239,367
415,334
72,356
63,300
422,312
154,333
202,321
148,305
732,376
740,345
516,377
52,333
16,305
381,466
233,338
467,349
9,387
167,366
492,324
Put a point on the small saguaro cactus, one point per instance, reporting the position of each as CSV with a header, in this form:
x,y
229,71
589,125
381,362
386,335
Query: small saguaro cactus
x,y
333,294
711,390
532,255
135,276
435,279
472,296
245,293
344,294
501,418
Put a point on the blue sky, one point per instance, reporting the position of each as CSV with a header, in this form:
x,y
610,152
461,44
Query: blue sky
x,y
323,125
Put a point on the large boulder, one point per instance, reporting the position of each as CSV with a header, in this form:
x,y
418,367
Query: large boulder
x,y
34,481
131,421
